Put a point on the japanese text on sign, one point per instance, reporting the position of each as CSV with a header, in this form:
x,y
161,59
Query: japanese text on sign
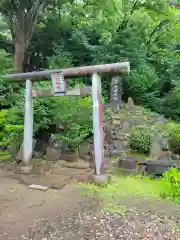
x,y
58,83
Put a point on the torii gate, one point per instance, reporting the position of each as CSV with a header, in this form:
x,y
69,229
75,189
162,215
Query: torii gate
x,y
59,79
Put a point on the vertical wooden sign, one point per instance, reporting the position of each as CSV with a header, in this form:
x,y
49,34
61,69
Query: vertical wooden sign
x,y
58,83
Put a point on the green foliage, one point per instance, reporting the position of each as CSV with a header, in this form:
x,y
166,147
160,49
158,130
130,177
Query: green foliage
x,y
171,104
6,91
74,117
5,156
174,137
14,135
140,139
9,134
121,186
172,178
3,114
61,58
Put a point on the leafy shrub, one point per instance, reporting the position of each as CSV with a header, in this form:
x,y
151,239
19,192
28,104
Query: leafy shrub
x,y
3,114
171,104
14,135
140,139
6,91
74,115
10,134
172,178
174,137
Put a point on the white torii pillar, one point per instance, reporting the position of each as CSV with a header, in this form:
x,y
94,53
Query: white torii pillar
x,y
97,123
28,124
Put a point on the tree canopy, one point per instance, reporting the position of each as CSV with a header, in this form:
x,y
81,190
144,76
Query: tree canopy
x,y
41,34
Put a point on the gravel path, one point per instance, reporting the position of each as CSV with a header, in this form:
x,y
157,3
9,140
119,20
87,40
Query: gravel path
x,y
87,226
67,215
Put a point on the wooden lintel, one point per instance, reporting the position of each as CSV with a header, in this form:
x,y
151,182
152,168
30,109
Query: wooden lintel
x,y
105,69
70,92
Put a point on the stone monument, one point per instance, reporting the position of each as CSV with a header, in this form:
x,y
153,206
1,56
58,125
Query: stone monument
x,y
116,92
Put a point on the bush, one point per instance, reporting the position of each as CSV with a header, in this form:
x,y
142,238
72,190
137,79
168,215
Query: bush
x,y
6,90
3,114
14,135
10,134
74,115
140,139
172,179
171,104
174,137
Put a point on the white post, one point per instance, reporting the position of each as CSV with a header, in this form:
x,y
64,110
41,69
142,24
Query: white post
x,y
97,123
28,124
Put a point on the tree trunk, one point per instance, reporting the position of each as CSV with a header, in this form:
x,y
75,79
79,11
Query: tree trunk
x,y
23,27
19,51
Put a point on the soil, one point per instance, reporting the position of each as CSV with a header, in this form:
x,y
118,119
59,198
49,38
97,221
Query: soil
x,y
67,214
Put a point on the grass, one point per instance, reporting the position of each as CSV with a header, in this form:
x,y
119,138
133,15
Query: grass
x,y
5,156
132,187
129,186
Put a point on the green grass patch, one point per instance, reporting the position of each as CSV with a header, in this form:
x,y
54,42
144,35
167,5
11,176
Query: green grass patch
x,y
128,186
5,156
118,209
132,187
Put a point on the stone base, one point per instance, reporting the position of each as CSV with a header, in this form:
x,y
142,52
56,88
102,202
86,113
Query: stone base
x,y
100,180
26,169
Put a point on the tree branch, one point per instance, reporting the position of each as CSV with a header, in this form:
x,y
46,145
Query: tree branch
x,y
31,18
134,6
157,28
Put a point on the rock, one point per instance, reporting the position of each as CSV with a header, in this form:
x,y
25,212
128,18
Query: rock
x,y
108,137
159,144
116,121
160,119
84,150
51,140
69,157
119,144
19,156
26,169
38,154
156,147
175,157
116,152
136,121
125,126
129,163
13,151
163,142
52,154
100,180
130,103
165,156
151,122
107,152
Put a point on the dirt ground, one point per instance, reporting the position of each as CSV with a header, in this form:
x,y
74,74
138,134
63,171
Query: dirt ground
x,y
67,214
